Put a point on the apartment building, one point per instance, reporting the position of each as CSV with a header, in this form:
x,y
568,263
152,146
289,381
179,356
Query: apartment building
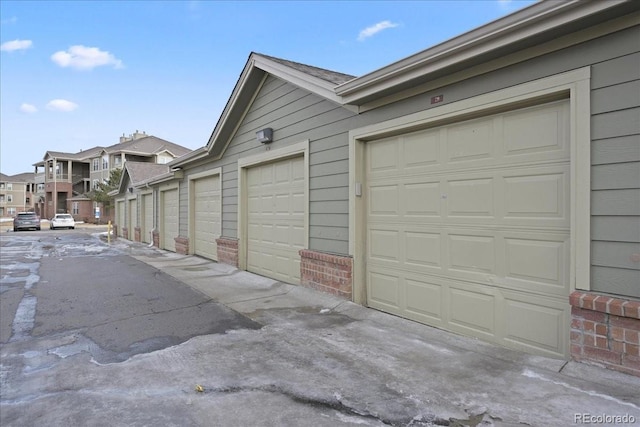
x,y
16,194
64,181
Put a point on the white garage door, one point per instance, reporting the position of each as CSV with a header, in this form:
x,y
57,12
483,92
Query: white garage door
x,y
207,210
276,210
169,219
147,218
468,227
132,215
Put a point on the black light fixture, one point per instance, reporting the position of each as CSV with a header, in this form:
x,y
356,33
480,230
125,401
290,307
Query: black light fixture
x,y
265,135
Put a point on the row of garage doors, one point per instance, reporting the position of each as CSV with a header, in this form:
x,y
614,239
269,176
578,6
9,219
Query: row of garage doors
x,y
467,225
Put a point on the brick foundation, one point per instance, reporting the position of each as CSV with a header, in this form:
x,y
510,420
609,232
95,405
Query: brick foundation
x,y
125,233
327,272
136,234
227,251
155,235
606,331
182,245
116,232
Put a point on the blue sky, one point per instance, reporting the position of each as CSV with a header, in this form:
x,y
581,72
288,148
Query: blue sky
x,y
79,74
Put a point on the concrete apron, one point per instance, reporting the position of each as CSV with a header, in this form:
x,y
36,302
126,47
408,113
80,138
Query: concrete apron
x,y
368,367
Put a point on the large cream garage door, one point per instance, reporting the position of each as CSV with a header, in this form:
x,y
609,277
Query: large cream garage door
x,y
468,227
275,222
169,219
207,216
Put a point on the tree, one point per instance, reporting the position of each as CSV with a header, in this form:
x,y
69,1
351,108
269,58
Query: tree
x,y
101,194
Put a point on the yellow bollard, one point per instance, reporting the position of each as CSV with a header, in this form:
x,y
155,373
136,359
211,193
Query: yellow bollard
x,y
109,232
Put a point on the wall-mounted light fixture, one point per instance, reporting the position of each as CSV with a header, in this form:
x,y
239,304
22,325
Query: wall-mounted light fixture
x,y
265,135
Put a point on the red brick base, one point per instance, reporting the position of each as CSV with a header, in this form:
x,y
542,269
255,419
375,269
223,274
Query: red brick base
x,y
606,331
227,251
182,245
125,233
136,234
155,235
326,272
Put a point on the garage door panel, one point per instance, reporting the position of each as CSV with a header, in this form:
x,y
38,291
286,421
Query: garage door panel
x,y
471,197
424,299
470,141
537,130
473,308
420,149
383,290
535,324
537,196
472,253
482,216
421,199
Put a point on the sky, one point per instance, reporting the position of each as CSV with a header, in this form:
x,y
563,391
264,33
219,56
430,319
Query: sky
x,y
79,74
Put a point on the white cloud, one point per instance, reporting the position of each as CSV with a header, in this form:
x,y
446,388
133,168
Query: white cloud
x,y
85,58
28,108
11,20
61,105
374,29
16,45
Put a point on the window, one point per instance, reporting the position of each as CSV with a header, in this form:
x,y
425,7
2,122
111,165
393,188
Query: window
x,y
105,163
27,200
75,210
40,188
95,184
9,198
9,186
11,211
117,160
1,198
2,185
96,164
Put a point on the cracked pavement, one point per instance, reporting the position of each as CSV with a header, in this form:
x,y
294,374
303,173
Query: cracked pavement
x,y
297,357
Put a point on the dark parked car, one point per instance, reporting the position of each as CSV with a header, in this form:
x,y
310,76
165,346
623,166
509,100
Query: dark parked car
x,y
26,221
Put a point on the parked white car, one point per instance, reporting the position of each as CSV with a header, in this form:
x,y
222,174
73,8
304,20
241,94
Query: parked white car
x,y
62,221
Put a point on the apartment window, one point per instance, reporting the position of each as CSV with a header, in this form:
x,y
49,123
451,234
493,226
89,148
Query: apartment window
x,y
40,188
11,211
75,210
95,184
9,186
96,164
9,198
1,198
105,164
2,185
27,200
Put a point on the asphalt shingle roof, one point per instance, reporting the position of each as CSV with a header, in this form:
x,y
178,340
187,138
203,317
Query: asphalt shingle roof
x,y
321,73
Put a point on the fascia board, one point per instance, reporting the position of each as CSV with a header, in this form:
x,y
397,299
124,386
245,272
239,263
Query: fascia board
x,y
536,19
189,157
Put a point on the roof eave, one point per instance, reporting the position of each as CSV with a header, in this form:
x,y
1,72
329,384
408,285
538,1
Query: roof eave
x,y
528,22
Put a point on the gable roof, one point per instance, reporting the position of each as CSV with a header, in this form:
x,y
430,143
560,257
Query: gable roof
x,y
148,145
21,177
511,39
138,173
317,80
